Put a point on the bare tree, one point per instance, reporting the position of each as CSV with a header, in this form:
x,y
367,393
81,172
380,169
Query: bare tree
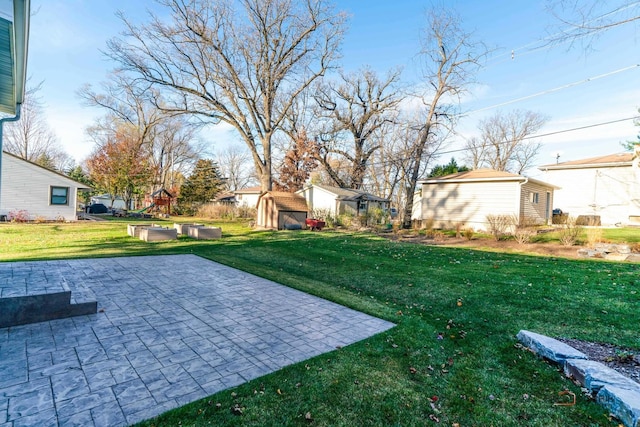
x,y
387,176
586,19
242,69
234,163
450,59
174,151
31,138
356,107
504,143
475,151
168,137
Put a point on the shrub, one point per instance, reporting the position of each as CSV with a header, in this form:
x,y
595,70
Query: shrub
x,y
221,211
18,215
568,234
428,223
438,236
345,220
523,229
216,211
375,216
523,235
468,233
499,225
594,235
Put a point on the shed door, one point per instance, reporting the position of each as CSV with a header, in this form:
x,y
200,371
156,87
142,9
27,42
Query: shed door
x,y
290,218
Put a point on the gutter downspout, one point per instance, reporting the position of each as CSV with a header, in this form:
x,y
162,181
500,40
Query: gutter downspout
x,y
520,204
2,122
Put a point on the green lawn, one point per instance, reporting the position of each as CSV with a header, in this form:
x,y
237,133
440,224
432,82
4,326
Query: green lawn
x,y
453,357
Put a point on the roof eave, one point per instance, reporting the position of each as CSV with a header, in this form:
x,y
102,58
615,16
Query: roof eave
x,y
21,16
586,166
461,180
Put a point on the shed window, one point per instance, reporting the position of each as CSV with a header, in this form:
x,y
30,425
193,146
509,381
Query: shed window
x,y
533,198
59,195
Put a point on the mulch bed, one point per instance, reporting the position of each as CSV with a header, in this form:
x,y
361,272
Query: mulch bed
x,y
624,360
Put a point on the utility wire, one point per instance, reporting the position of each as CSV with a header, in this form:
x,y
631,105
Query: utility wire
x,y
557,132
563,36
391,159
556,89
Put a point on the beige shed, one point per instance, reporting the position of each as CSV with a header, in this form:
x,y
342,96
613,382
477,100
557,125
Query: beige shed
x,y
280,210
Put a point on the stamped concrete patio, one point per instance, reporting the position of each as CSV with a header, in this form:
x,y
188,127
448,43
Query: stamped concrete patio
x,y
170,330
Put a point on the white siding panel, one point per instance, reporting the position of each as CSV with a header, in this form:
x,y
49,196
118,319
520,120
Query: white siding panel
x,y
612,193
469,203
27,187
318,199
539,212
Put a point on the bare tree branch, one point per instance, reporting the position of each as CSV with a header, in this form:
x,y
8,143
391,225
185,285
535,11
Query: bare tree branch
x,y
245,69
355,108
450,59
503,143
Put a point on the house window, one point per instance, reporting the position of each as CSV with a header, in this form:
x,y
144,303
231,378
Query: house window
x,y
533,198
59,195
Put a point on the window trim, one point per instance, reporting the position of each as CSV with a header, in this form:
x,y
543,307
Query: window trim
x,y
51,195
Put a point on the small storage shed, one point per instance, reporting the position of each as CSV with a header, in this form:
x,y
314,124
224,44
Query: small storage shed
x,y
279,210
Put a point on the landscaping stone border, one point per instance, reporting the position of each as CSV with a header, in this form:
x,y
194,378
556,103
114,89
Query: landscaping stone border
x,y
617,393
610,252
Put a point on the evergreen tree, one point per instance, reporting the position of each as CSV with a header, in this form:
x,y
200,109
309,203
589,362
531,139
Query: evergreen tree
x,y
201,186
451,167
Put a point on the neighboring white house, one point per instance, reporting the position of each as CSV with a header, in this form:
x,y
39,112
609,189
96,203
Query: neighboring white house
x,y
337,201
36,191
248,197
607,186
466,198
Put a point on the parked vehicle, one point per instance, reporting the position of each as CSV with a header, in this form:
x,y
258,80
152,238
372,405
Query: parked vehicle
x,y
97,208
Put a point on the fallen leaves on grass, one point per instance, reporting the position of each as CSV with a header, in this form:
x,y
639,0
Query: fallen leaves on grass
x,y
566,393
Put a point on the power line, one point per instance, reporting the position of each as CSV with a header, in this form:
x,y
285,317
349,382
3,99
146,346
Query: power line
x,y
560,37
566,86
558,132
391,159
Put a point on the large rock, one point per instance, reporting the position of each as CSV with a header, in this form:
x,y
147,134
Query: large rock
x,y
594,375
549,348
621,402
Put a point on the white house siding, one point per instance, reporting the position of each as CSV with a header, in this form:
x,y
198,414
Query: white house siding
x,y
539,211
468,203
27,187
613,193
248,198
319,199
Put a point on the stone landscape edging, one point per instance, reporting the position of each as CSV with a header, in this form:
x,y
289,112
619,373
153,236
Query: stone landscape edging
x,y
617,393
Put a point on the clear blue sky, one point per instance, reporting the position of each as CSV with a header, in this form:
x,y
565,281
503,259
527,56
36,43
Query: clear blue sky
x,y
68,35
